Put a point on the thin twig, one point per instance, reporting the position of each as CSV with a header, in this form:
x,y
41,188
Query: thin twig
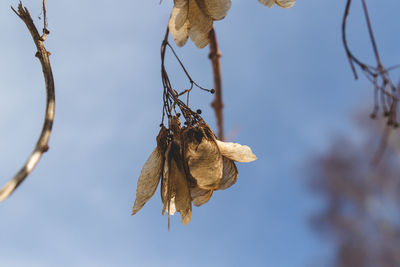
x,y
344,39
171,96
382,147
42,143
371,35
217,104
386,94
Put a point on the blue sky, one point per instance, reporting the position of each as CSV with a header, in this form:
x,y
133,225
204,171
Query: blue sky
x,y
288,89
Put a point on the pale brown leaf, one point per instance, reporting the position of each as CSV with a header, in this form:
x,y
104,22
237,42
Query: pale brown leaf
x,y
179,25
148,180
182,196
268,3
180,3
281,3
203,159
217,9
236,152
230,174
167,189
200,196
200,25
285,3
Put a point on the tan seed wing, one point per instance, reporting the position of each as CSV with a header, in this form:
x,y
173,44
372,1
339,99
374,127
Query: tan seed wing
x,y
200,196
268,3
167,188
148,180
182,196
200,25
285,3
180,3
205,163
179,25
217,9
236,152
230,174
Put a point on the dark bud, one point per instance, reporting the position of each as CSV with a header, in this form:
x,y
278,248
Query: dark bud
x,y
186,123
198,111
161,125
178,114
46,31
396,125
212,91
373,116
386,113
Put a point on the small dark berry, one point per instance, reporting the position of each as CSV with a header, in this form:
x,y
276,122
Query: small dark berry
x,y
178,114
212,91
198,111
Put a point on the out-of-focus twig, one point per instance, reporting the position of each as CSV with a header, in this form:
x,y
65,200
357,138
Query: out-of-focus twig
x,y
386,94
217,104
382,147
42,144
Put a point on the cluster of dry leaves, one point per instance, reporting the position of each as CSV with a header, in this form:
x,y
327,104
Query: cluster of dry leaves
x,y
194,18
191,164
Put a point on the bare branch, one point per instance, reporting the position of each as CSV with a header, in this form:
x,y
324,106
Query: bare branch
x,y
42,143
217,104
386,93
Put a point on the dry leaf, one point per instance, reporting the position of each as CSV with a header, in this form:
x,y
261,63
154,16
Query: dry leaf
x,y
179,25
203,158
194,18
200,196
148,180
230,174
167,194
236,152
217,9
192,164
180,3
281,3
200,25
182,197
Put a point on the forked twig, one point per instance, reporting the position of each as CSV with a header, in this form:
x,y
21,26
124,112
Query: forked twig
x,y
42,143
217,104
386,94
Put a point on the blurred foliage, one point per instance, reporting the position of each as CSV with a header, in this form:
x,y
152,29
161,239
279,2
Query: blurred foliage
x,y
361,215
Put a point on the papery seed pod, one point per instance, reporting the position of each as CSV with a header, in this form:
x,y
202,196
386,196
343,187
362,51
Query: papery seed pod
x,y
179,25
167,193
162,140
174,190
182,196
200,24
151,171
236,152
281,3
195,18
216,9
199,196
229,174
148,180
202,156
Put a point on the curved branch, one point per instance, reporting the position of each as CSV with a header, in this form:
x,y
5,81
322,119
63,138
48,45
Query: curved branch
x,y
42,143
